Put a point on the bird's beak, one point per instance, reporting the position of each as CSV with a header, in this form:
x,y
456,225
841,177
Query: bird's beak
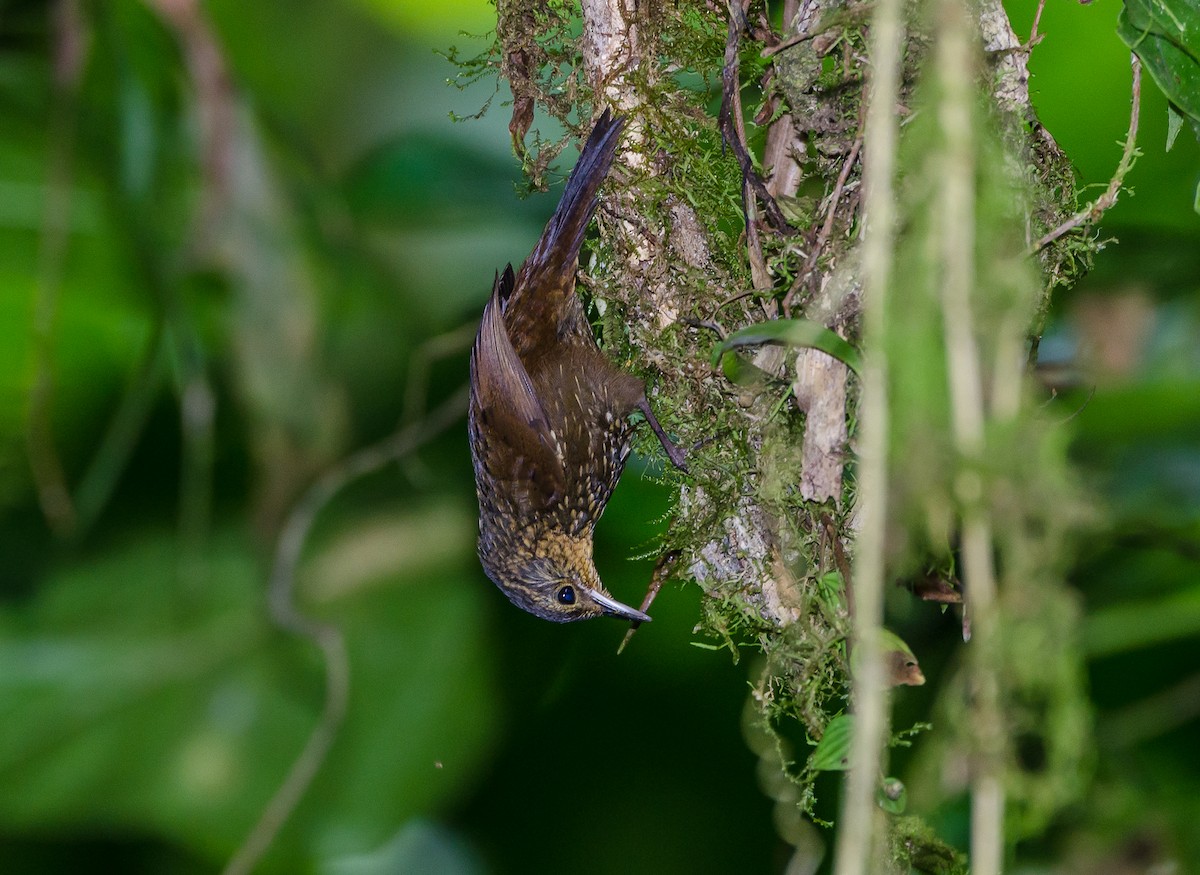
x,y
614,608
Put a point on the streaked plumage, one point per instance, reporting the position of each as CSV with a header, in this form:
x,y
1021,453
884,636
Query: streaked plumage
x,y
548,419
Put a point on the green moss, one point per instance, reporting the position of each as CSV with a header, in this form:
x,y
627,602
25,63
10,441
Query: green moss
x,y
914,847
746,457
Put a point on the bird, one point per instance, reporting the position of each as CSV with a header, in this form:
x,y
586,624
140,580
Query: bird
x,y
549,416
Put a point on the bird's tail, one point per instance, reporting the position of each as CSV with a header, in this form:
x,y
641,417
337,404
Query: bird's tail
x,y
554,258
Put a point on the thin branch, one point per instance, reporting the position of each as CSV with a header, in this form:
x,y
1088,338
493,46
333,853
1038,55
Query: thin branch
x,y
732,127
734,131
662,571
827,227
1033,31
956,210
1106,201
858,839
70,52
852,13
104,471
215,108
432,350
197,399
287,615
1153,716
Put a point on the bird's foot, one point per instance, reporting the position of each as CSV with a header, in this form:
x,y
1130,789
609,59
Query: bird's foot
x,y
676,454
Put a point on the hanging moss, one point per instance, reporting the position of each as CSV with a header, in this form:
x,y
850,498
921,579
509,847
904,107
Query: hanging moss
x,y
760,551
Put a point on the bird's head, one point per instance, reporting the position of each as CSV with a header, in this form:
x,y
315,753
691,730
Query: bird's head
x,y
555,579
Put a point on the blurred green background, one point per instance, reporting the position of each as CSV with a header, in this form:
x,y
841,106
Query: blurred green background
x,y
193,374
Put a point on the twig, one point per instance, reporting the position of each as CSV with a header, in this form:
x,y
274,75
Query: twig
x,y
730,300
788,43
1078,410
285,614
662,570
733,129
215,108
858,839
435,349
70,51
827,227
1154,716
1102,204
197,398
851,14
1034,39
956,211
417,386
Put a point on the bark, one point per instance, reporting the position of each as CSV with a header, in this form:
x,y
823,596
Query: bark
x,y
766,512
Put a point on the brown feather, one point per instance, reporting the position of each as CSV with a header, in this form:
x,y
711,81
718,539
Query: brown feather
x,y
549,417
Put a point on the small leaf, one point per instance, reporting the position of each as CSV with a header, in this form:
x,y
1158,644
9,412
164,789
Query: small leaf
x,y
741,371
900,665
831,586
1165,36
791,332
893,796
1174,123
797,210
889,640
832,753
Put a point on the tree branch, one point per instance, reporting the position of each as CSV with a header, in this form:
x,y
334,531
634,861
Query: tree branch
x,y
858,840
1097,208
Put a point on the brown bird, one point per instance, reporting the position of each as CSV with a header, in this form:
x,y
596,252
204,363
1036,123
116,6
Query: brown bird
x,y
549,417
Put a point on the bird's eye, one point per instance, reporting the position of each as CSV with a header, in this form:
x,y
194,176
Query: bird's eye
x,y
566,595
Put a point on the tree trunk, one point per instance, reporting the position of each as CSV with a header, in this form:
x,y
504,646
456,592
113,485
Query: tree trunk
x,y
715,224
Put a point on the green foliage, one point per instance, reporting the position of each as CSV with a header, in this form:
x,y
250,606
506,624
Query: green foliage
x,y
893,796
182,708
1020,472
832,752
149,708
1165,34
915,847
790,332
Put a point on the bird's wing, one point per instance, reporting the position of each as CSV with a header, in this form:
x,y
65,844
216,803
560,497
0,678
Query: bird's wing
x,y
515,444
545,283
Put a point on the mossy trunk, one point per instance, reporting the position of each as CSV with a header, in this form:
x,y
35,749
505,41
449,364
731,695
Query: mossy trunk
x,y
717,220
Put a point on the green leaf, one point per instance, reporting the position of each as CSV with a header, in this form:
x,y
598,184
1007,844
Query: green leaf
x,y
741,371
832,753
890,642
900,663
893,796
790,332
1174,123
183,708
421,846
831,587
1165,35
